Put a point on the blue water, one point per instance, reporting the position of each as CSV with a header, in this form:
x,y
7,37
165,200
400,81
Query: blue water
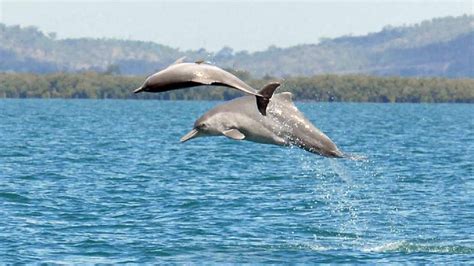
x,y
92,181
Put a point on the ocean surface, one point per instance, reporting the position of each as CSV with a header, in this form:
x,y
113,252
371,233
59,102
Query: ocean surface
x,y
107,181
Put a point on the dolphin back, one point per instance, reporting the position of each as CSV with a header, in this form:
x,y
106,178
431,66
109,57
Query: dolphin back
x,y
204,74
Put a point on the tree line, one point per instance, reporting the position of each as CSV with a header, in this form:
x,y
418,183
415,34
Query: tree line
x,y
337,88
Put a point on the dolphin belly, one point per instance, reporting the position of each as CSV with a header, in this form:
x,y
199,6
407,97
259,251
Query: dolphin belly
x,y
173,86
264,136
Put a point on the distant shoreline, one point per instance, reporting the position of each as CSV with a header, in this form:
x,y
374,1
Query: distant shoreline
x,y
319,88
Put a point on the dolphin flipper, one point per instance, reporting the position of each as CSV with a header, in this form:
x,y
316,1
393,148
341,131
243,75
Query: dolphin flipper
x,y
234,134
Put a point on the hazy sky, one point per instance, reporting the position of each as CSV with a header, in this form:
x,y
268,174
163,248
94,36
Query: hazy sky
x,y
242,25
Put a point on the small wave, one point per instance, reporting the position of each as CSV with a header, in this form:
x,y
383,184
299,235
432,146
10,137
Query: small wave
x,y
14,197
316,247
409,247
311,246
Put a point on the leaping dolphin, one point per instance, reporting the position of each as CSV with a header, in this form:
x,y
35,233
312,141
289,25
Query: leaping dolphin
x,y
284,125
185,75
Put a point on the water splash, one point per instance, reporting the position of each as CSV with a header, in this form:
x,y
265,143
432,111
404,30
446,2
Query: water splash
x,y
413,247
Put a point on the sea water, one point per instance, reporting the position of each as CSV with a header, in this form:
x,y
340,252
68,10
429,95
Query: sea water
x,y
107,181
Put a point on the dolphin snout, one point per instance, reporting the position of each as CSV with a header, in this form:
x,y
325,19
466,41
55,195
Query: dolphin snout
x,y
190,135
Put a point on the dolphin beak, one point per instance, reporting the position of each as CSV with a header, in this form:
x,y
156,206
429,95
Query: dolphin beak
x,y
190,135
139,89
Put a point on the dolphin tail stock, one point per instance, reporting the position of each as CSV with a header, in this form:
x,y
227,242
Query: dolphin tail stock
x,y
267,93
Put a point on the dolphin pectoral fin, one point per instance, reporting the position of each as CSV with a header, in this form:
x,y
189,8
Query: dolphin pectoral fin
x,y
190,135
179,60
234,134
267,93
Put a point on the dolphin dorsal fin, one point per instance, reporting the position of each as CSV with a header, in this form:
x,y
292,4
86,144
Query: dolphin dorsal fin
x,y
179,60
234,134
286,96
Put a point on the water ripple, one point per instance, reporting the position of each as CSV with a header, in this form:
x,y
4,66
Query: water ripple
x,y
100,182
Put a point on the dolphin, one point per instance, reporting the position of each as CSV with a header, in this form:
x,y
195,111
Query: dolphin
x,y
284,124
185,75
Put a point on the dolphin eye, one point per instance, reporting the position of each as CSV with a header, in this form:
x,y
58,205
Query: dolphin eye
x,y
202,125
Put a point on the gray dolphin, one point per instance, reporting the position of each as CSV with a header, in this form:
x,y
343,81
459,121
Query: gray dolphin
x,y
284,125
185,75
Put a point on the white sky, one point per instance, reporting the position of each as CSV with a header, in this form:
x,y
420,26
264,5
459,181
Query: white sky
x,y
242,25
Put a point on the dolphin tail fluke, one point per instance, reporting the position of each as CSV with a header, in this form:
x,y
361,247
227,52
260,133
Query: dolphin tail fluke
x,y
267,93
139,89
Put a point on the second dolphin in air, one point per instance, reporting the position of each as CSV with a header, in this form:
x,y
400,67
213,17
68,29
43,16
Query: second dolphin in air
x,y
284,125
184,75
